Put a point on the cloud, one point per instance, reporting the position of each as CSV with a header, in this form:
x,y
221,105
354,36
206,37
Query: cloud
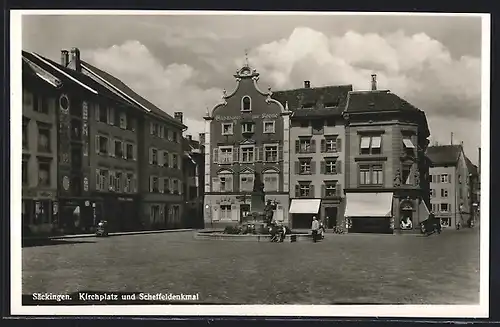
x,y
171,87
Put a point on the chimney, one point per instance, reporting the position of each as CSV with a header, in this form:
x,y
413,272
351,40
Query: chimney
x,y
178,116
374,82
201,136
451,138
189,137
74,62
64,58
307,84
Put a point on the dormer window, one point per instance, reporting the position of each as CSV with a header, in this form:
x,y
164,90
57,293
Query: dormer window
x,y
246,103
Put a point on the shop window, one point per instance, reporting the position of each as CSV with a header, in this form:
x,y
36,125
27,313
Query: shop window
x,y
225,211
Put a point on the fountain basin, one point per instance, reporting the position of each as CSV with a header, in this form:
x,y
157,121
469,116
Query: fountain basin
x,y
219,235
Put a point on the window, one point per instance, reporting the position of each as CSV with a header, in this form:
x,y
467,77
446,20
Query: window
x,y
445,178
370,175
25,172
25,136
305,166
44,174
111,183
304,189
444,193
153,187
271,153
247,127
170,135
330,189
154,156
330,166
444,207
175,186
131,123
43,140
226,183
130,151
431,178
246,103
226,155
175,161
166,162
408,146
40,104
176,137
103,176
271,182
246,182
433,193
123,120
153,129
227,128
225,211
331,145
128,182
371,144
102,145
118,181
406,174
118,149
304,146
103,115
446,222
166,185
247,154
269,127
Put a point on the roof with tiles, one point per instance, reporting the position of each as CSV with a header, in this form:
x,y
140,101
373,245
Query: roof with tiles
x,y
314,102
378,100
471,167
130,93
444,155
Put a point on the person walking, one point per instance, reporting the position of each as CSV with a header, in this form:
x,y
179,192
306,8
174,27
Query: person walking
x,y
314,229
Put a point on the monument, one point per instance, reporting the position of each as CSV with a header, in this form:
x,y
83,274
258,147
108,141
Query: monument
x,y
262,212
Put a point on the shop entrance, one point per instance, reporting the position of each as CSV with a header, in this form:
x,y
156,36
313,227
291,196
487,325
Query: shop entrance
x,y
330,217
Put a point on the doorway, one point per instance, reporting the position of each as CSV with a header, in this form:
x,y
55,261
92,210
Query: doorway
x,y
331,213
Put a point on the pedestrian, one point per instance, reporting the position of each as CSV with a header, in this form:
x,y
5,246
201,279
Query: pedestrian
x,y
314,229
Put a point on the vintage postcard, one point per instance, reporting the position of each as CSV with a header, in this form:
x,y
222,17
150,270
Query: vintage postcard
x,y
250,163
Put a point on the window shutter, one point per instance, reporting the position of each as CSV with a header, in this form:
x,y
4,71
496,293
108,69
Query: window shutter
x,y
297,167
313,145
313,167
111,116
97,144
97,112
134,182
260,149
179,158
215,184
339,144
160,157
150,156
323,167
97,179
124,150
229,181
297,146
323,191
160,184
111,143
111,178
338,189
311,191
150,184
235,154
280,153
323,145
216,155
338,166
181,188
297,191
134,151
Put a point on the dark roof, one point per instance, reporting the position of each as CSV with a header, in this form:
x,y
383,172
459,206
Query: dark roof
x,y
444,155
129,92
471,167
190,145
318,101
82,78
383,100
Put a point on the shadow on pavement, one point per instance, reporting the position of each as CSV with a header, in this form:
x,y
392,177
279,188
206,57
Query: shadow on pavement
x,y
46,242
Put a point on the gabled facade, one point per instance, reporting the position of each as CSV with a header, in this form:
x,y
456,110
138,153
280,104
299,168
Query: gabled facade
x,y
246,137
194,181
386,168
39,145
317,155
453,179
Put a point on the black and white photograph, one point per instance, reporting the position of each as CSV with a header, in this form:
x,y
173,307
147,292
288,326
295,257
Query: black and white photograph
x,y
249,163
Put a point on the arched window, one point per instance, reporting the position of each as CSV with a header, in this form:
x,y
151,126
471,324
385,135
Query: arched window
x,y
246,103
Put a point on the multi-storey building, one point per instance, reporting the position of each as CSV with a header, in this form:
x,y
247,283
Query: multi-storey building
x,y
317,153
106,131
246,140
194,179
386,169
452,179
39,144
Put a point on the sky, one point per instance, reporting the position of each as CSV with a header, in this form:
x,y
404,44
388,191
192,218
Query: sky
x,y
183,62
